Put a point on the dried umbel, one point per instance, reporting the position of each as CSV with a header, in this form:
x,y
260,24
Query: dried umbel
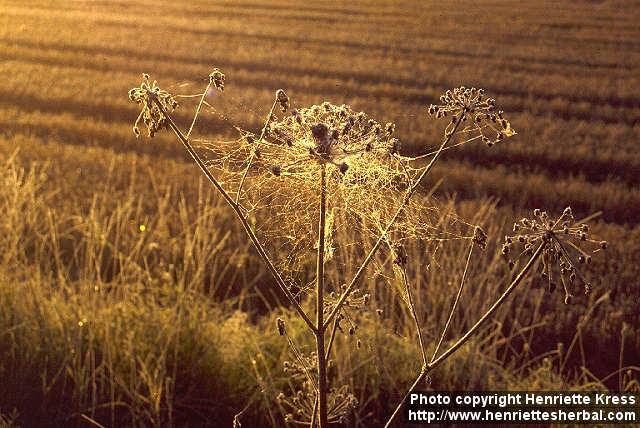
x,y
283,100
566,246
476,113
216,78
399,254
282,330
151,115
302,403
330,134
480,237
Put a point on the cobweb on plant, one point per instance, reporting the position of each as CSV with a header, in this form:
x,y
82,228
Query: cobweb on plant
x,y
274,174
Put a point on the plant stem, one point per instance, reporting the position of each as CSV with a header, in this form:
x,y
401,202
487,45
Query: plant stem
x,y
455,304
245,224
314,416
322,360
253,155
332,337
426,369
414,315
195,116
410,191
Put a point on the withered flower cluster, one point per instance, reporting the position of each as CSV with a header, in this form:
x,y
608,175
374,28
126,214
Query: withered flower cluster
x,y
151,115
470,105
300,404
566,245
216,79
329,134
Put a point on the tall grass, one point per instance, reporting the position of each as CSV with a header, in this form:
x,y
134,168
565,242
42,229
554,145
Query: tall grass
x,y
158,348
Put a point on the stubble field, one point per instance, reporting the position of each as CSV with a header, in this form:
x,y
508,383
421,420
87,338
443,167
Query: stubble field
x,y
173,324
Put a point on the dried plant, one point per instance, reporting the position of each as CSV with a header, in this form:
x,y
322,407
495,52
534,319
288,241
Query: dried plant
x,y
565,238
544,241
312,171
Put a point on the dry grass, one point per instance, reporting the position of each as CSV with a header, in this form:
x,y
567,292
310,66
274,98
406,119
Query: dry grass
x,y
144,346
71,220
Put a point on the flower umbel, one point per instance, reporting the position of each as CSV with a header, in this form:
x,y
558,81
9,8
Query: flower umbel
x,y
329,133
563,252
151,115
470,104
301,404
216,78
480,237
282,99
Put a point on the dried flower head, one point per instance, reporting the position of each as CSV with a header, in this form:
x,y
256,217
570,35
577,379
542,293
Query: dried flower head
x,y
282,99
470,105
480,237
216,78
151,115
301,401
400,256
331,134
566,245
281,327
301,404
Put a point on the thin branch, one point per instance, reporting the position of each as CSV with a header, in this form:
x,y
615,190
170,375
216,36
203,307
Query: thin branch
x,y
414,315
314,416
462,340
455,303
334,329
253,155
195,116
433,152
236,209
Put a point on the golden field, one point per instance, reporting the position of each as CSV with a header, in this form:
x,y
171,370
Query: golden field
x,y
105,324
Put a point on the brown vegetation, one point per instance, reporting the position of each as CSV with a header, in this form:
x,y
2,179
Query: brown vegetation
x,y
74,245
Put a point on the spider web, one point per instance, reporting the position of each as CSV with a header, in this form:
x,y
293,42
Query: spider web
x,y
276,180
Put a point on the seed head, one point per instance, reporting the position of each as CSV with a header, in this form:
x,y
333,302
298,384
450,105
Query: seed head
x,y
480,237
155,103
282,99
564,244
400,255
464,103
216,78
300,402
